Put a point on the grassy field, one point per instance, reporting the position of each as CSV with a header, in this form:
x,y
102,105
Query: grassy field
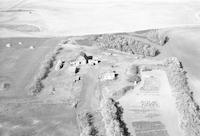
x,y
184,44
21,113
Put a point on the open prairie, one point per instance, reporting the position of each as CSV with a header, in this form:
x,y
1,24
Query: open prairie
x,y
62,17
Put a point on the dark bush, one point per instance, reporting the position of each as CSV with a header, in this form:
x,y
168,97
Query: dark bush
x,y
86,120
44,71
118,94
185,102
114,114
125,43
166,39
134,69
134,79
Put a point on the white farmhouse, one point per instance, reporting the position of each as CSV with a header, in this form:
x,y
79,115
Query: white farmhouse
x,y
108,76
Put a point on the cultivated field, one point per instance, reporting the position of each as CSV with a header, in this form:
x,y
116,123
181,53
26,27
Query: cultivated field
x,y
61,18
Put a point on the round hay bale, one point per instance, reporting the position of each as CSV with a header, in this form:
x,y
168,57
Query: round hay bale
x,y
31,47
8,45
